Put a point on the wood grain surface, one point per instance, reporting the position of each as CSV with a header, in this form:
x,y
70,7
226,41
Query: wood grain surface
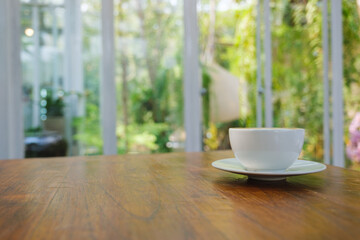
x,y
171,196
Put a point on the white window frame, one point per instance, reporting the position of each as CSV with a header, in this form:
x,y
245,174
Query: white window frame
x,y
192,79
13,126
337,83
73,68
263,19
268,65
337,147
326,117
11,120
107,84
259,86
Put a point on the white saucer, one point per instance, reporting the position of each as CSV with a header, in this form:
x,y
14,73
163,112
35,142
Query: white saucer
x,y
300,167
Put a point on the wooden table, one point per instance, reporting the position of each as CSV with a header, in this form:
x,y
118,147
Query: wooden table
x,y
171,196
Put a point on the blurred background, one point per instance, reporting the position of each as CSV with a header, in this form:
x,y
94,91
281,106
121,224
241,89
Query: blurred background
x,y
61,93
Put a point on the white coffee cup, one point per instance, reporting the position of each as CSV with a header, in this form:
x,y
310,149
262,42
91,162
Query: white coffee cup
x,y
261,149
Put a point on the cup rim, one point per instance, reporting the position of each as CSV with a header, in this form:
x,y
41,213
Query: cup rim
x,y
267,129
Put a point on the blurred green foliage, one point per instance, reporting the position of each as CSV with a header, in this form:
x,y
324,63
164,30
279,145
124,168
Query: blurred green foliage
x,y
297,61
149,45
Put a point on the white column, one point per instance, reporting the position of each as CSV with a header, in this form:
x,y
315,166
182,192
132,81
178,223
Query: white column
x,y
337,82
73,79
326,119
37,63
259,87
192,80
268,66
107,86
11,120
